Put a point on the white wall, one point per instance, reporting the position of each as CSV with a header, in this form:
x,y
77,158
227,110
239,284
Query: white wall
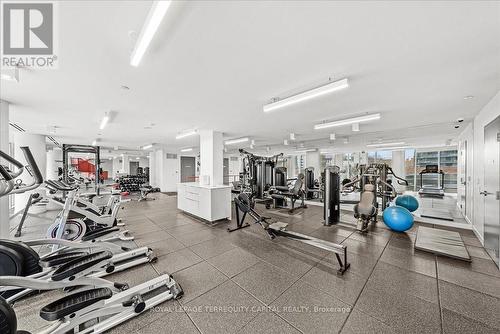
x,y
489,112
164,173
474,134
468,135
38,148
312,160
4,146
107,166
117,167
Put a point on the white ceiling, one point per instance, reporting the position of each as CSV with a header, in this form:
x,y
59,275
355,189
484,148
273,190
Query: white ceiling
x,y
213,64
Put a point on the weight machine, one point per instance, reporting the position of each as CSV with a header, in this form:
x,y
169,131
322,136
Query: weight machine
x,y
72,148
373,183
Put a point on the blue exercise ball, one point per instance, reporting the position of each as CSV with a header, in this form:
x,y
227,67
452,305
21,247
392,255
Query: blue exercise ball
x,y
407,201
397,218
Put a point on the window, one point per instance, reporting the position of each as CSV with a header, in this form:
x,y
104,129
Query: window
x,y
410,169
384,157
325,160
446,161
424,159
295,165
372,157
348,168
448,164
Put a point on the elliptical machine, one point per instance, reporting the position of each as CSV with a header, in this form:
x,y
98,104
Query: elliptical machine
x,y
99,306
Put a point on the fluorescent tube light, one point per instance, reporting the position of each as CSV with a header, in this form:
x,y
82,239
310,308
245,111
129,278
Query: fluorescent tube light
x,y
189,149
347,121
236,141
355,127
394,148
94,143
153,20
306,150
285,142
8,77
186,134
386,144
104,121
332,136
137,158
325,89
147,147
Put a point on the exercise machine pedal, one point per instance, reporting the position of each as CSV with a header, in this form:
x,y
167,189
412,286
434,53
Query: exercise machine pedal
x,y
72,303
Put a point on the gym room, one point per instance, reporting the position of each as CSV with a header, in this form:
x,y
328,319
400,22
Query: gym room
x,y
248,166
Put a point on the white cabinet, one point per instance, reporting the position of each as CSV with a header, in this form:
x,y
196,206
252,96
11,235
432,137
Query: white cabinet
x,y
210,203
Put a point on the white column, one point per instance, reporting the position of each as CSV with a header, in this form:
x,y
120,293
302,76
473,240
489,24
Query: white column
x,y
338,160
117,167
54,161
398,166
125,168
363,158
312,160
152,169
211,157
38,148
4,146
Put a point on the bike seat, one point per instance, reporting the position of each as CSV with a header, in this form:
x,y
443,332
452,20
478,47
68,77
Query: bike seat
x,y
80,264
73,303
58,259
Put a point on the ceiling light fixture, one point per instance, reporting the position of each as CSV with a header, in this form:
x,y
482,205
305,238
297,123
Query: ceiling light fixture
x,y
292,136
104,120
189,149
394,148
285,142
355,127
306,150
309,94
468,97
8,77
386,144
153,20
347,121
10,74
94,143
186,134
236,141
332,136
147,147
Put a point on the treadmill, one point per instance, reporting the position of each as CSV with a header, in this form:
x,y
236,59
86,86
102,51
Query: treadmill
x,y
432,191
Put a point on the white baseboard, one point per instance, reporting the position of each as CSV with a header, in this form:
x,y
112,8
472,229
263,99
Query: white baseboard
x,y
476,232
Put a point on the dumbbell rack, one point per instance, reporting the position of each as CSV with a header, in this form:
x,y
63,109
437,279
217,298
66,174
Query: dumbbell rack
x,y
131,183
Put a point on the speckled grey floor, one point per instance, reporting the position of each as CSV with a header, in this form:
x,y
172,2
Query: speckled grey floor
x,y
243,282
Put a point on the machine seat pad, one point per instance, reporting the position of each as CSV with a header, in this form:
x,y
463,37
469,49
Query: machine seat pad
x,y
73,303
278,196
280,226
282,188
61,258
80,264
99,232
